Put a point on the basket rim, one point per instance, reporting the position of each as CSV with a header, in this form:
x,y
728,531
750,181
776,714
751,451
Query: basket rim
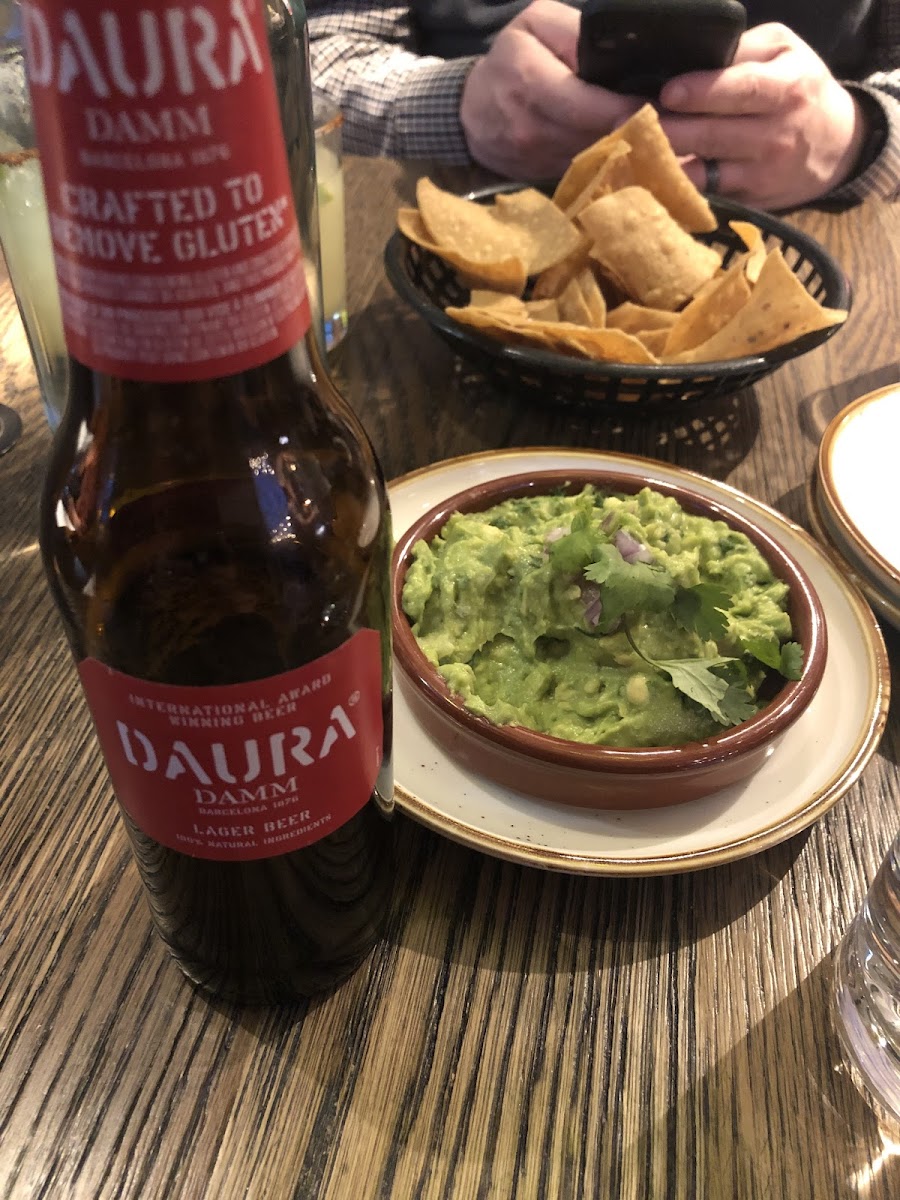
x,y
519,358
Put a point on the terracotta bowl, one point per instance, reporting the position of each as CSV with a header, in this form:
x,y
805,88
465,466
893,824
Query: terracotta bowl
x,y
567,772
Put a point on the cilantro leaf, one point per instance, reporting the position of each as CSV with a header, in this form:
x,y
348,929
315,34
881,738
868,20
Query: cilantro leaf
x,y
737,705
791,665
607,560
628,587
766,649
717,684
699,609
570,553
703,610
693,677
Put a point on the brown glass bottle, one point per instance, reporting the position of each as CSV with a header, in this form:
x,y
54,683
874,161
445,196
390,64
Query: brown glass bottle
x,y
214,546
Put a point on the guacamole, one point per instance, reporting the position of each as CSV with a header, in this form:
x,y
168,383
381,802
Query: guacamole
x,y
616,620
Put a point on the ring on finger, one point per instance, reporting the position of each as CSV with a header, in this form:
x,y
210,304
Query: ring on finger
x,y
713,175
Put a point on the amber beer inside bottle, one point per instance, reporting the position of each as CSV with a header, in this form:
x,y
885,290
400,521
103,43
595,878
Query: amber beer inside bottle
x,y
211,537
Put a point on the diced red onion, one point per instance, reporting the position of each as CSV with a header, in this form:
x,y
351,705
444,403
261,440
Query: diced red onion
x,y
555,534
593,605
630,548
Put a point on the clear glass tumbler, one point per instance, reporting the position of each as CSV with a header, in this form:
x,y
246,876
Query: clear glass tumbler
x,y
24,228
332,224
867,989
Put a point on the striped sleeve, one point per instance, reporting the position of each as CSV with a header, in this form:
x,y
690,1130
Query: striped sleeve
x,y
881,87
402,104
395,102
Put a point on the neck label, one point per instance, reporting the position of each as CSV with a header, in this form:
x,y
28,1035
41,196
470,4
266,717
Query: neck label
x,y
170,206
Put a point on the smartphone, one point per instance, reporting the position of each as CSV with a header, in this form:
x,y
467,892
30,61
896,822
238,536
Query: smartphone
x,y
635,46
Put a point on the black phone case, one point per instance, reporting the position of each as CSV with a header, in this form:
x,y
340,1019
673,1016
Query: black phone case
x,y
633,47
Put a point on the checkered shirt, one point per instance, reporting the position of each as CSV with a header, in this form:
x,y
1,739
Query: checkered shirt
x,y
402,104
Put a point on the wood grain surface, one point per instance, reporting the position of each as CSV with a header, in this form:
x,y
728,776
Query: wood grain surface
x,y
517,1033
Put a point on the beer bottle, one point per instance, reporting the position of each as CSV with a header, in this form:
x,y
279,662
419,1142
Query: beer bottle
x,y
214,525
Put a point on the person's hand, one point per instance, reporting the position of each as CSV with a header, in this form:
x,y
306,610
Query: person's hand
x,y
524,111
781,127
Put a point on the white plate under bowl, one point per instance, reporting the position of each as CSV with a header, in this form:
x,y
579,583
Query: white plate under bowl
x,y
818,759
855,567
859,485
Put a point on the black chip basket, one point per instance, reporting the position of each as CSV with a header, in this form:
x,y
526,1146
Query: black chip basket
x,y
429,285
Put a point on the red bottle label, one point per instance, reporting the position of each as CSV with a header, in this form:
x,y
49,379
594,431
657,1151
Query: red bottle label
x,y
170,206
248,770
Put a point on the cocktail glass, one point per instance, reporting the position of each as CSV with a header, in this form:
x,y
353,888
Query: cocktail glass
x,y
867,990
24,227
332,227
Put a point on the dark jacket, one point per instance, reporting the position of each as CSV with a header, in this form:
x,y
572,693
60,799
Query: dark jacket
x,y
834,28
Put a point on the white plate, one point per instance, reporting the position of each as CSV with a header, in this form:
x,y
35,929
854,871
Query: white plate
x,y
816,762
859,486
850,562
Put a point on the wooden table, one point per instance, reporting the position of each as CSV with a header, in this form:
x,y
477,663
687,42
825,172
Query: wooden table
x,y
518,1033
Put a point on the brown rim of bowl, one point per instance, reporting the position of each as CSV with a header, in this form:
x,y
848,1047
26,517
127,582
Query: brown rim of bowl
x,y
807,618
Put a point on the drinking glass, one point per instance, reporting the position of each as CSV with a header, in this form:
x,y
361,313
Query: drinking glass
x,y
10,427
24,228
332,229
867,989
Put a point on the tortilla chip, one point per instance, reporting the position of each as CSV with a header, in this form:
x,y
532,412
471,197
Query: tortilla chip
x,y
707,313
631,318
466,227
493,322
710,286
549,237
411,225
592,295
507,275
654,166
600,345
560,337
614,173
572,305
640,244
653,339
779,310
542,310
513,307
583,168
487,298
751,236
552,282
